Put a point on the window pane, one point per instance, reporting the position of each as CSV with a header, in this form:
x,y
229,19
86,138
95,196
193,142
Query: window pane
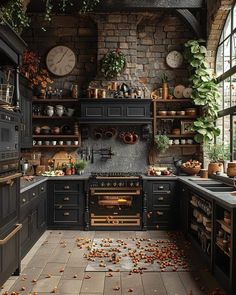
x,y
233,50
227,28
221,90
233,90
226,54
219,124
226,94
219,61
234,136
226,131
234,17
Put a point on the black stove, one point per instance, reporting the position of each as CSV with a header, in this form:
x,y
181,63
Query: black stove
x,y
115,174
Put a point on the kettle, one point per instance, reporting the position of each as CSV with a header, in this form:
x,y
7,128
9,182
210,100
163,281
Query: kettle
x,y
178,163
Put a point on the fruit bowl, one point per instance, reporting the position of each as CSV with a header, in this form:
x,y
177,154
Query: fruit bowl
x,y
191,170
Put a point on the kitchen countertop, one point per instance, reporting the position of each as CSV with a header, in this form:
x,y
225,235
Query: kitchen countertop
x,y
224,197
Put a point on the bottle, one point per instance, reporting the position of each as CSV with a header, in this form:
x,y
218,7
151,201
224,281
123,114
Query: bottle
x,y
74,91
68,170
72,169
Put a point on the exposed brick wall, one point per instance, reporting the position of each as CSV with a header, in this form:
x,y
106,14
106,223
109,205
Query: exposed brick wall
x,y
145,39
217,13
79,33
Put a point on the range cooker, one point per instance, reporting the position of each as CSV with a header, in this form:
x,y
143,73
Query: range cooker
x,y
115,200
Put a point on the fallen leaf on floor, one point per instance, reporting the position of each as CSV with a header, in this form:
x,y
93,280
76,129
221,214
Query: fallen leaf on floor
x,y
87,277
116,288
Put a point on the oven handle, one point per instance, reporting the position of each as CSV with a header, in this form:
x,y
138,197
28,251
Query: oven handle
x,y
137,192
11,234
8,179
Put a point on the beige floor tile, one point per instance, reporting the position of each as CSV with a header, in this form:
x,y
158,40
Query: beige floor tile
x,y
69,286
95,284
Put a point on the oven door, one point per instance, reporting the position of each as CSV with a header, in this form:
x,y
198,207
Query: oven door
x,y
9,137
113,201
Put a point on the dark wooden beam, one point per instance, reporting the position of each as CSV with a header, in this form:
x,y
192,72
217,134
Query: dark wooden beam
x,y
192,21
115,5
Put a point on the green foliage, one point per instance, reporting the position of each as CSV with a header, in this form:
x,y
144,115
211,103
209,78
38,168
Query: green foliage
x,y
113,63
205,90
216,152
13,12
161,142
89,5
80,165
164,78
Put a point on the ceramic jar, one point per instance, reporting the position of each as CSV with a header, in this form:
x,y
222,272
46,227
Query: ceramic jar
x,y
59,109
50,111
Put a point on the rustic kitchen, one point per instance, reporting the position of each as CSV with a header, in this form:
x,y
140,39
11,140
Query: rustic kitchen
x,y
117,147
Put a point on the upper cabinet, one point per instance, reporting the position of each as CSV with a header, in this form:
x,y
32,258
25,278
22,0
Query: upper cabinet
x,y
116,111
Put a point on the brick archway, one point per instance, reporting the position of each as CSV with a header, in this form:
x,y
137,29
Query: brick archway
x,y
217,13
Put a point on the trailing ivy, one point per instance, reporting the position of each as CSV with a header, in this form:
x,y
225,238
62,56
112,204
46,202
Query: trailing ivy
x,y
113,63
13,12
205,91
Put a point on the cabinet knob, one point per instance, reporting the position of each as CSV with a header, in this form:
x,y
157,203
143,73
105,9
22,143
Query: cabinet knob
x,y
66,199
23,200
33,194
67,187
42,188
161,187
160,199
160,213
66,214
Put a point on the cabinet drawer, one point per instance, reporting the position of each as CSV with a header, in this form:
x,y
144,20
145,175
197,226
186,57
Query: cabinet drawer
x,y
24,198
33,193
161,186
68,186
66,198
161,199
66,215
42,188
160,215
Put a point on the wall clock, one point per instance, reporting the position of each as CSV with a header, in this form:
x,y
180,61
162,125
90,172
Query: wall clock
x,y
60,60
174,59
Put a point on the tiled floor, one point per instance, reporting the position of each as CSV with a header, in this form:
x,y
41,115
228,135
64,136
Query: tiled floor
x,y
56,265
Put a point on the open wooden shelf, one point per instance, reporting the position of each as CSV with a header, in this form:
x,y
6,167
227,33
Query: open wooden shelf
x,y
56,146
54,100
222,249
55,136
173,100
184,145
176,117
56,117
224,226
181,135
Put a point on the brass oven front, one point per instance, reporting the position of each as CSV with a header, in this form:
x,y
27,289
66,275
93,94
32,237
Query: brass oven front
x,y
113,207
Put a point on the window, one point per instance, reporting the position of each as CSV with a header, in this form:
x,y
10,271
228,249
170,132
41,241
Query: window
x,y
226,73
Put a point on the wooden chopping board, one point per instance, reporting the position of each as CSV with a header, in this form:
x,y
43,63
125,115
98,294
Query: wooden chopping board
x,y
64,157
152,156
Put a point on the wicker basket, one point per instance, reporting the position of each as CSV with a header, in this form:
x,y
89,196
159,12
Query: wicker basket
x,y
191,171
6,93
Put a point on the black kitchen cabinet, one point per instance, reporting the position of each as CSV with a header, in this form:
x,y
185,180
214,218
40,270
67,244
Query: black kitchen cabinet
x,y
162,205
136,111
66,204
26,113
184,195
33,210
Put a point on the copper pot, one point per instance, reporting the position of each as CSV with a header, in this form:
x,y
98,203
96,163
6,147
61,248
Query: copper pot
x,y
55,130
128,137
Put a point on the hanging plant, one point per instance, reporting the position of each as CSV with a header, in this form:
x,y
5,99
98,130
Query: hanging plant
x,y
205,91
161,142
113,64
14,13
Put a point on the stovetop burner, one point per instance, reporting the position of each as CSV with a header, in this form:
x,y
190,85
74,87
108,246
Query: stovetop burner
x,y
115,174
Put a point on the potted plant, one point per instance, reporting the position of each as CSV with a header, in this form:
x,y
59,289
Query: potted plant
x,y
165,89
79,166
216,153
161,142
205,91
113,64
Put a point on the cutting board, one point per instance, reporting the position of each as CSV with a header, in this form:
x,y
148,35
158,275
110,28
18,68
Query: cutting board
x,y
64,157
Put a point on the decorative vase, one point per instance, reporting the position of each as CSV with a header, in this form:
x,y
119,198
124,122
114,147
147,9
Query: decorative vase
x,y
215,167
165,91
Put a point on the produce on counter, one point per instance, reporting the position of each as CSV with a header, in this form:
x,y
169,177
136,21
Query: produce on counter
x,y
192,164
54,173
158,171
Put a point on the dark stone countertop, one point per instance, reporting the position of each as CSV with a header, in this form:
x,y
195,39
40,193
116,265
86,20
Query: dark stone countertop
x,y
225,198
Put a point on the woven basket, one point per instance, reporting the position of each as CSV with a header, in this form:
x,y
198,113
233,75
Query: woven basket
x,y
190,170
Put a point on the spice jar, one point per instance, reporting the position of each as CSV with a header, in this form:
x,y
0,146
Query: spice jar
x,y
74,91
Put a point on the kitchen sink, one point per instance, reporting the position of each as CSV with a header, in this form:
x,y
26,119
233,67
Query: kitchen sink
x,y
220,184
221,189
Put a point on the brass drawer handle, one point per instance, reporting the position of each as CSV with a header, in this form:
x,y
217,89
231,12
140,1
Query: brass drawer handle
x,y
42,188
11,234
161,187
160,199
160,213
66,199
23,200
66,214
66,187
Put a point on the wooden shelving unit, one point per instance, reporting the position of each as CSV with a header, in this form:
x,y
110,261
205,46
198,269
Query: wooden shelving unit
x,y
55,117
176,117
55,136
55,100
56,146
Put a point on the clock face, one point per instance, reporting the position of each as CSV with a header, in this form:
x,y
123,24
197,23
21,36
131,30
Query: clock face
x,y
60,60
174,59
